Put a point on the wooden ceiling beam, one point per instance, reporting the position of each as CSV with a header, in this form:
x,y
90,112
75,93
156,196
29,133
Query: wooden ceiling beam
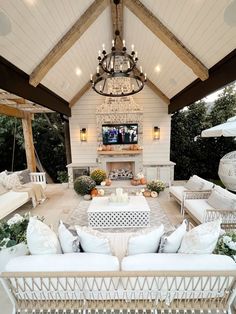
x,y
13,112
16,81
221,74
119,24
80,93
68,40
167,37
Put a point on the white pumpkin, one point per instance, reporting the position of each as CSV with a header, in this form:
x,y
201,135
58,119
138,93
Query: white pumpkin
x,y
154,194
101,192
103,183
140,175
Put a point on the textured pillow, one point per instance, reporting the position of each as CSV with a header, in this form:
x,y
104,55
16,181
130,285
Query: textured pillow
x,y
220,201
145,242
69,242
171,241
41,239
201,239
24,176
12,181
194,184
93,241
3,190
3,176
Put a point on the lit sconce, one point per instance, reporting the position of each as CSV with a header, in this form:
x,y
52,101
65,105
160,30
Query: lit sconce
x,y
83,135
156,133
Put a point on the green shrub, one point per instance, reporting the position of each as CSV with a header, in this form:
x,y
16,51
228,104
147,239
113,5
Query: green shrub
x,y
98,176
156,185
84,185
62,176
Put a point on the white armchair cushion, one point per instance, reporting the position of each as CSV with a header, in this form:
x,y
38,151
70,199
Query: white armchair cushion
x,y
194,184
221,201
41,239
197,208
201,239
93,241
145,242
170,242
177,191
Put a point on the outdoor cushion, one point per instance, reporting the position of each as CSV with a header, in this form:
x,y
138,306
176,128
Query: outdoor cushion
x,y
196,183
197,207
175,262
220,201
201,239
69,242
177,191
11,201
3,190
64,262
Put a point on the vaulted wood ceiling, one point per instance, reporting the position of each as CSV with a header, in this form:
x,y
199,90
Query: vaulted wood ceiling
x,y
56,41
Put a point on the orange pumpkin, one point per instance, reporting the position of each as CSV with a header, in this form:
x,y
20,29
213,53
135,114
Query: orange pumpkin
x,y
135,182
94,192
147,193
143,181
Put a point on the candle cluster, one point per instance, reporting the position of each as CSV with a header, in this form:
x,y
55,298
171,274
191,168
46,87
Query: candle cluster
x,y
119,197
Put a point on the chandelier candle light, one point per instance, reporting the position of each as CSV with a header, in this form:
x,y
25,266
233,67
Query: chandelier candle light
x,y
117,74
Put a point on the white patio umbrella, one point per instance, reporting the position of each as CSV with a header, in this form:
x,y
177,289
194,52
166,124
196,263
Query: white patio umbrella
x,y
225,129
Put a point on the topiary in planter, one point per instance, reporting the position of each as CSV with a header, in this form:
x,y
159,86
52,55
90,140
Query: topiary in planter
x,y
98,176
84,185
156,185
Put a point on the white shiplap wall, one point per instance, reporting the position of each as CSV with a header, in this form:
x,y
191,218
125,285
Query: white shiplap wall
x,y
155,113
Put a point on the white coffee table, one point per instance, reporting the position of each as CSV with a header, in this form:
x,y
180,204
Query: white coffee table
x,y
103,214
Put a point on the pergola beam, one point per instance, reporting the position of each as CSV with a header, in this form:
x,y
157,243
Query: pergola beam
x,y
29,143
167,37
80,93
68,40
12,112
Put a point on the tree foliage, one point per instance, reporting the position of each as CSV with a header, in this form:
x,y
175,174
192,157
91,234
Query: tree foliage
x,y
196,155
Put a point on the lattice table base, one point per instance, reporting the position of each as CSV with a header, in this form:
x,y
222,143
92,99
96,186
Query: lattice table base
x,y
119,219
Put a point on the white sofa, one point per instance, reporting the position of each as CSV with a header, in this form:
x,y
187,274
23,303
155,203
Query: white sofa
x,y
197,206
89,281
12,200
177,191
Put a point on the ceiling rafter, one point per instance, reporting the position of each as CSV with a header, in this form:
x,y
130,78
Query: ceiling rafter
x,y
68,40
167,37
117,25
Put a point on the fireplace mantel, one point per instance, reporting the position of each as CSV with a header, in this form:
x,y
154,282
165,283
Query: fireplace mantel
x,y
120,152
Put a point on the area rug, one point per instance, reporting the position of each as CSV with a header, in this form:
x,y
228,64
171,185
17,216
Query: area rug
x,y
157,216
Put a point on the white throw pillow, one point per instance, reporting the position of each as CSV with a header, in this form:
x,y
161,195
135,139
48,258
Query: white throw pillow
x,y
3,190
220,201
194,184
170,243
69,242
12,181
145,242
3,176
41,239
201,239
93,241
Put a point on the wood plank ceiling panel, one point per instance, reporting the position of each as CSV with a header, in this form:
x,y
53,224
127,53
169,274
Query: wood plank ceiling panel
x,y
199,24
174,75
62,78
36,28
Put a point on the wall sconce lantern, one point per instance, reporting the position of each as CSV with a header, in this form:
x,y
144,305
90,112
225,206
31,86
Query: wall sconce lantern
x,y
83,135
156,133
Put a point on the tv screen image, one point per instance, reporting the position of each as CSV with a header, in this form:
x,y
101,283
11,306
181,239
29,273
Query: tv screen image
x,y
120,134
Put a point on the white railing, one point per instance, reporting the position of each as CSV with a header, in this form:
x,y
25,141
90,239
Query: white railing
x,y
38,177
92,292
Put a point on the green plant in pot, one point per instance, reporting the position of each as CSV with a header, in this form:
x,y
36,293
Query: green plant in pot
x,y
98,176
84,185
156,185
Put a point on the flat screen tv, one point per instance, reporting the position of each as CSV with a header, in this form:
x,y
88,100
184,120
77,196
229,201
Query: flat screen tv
x,y
113,134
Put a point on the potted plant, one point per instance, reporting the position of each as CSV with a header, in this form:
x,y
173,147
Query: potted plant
x,y
62,177
13,238
226,245
156,185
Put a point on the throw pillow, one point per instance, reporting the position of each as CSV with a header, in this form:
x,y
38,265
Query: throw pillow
x,y
145,242
12,181
24,176
220,201
3,176
171,241
41,239
93,241
3,190
69,242
194,184
201,239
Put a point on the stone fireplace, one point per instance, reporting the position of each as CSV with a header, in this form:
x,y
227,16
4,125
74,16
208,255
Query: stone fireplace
x,y
120,170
